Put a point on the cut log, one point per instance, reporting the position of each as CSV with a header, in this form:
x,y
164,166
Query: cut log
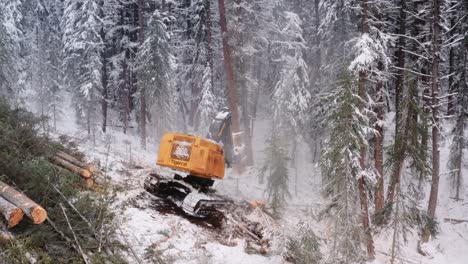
x,y
4,237
75,161
31,209
12,214
73,168
89,181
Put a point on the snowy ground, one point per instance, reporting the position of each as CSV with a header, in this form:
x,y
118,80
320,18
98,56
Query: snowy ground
x,y
147,230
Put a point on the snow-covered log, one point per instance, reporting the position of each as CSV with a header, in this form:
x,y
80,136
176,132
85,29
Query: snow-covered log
x,y
32,210
13,215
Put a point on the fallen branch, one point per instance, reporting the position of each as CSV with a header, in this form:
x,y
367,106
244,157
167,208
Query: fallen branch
x,y
12,214
32,210
83,255
247,231
455,221
74,209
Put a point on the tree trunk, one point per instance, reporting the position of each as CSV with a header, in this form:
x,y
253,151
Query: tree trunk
x,y
461,122
378,152
362,184
451,88
318,55
141,37
73,168
401,62
379,138
32,210
400,131
104,92
431,209
209,42
362,161
13,215
232,90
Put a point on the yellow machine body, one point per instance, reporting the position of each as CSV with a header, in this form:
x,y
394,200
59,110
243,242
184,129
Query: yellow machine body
x,y
194,155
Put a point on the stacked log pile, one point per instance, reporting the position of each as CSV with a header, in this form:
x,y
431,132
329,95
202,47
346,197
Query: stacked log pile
x,y
86,171
13,205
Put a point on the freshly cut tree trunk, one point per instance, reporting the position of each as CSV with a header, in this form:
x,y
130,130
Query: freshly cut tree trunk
x,y
32,210
75,161
12,214
73,168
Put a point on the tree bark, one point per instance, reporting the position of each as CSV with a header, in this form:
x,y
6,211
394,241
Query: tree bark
x,y
362,161
232,89
431,209
401,62
379,138
451,88
378,152
209,43
73,168
318,55
32,210
104,92
400,131
13,215
141,37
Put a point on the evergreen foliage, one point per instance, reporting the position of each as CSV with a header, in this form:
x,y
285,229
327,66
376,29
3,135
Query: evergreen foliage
x,y
275,170
155,70
303,247
341,169
24,156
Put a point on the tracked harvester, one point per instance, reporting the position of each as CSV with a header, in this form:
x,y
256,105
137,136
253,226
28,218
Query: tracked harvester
x,y
197,163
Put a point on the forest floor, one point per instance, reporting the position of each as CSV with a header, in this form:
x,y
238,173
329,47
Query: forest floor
x,y
156,232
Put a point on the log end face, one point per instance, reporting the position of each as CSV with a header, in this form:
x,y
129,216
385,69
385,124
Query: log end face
x,y
15,218
86,174
39,215
89,183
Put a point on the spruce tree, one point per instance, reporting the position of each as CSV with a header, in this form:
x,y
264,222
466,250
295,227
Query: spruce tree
x,y
275,169
341,169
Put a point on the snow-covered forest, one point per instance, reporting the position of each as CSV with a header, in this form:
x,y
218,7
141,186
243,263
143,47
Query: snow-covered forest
x,y
349,119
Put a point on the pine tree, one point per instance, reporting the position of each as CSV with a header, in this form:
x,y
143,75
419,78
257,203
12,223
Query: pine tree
x,y
13,21
8,54
435,85
155,75
458,49
275,169
291,96
82,47
341,169
204,102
